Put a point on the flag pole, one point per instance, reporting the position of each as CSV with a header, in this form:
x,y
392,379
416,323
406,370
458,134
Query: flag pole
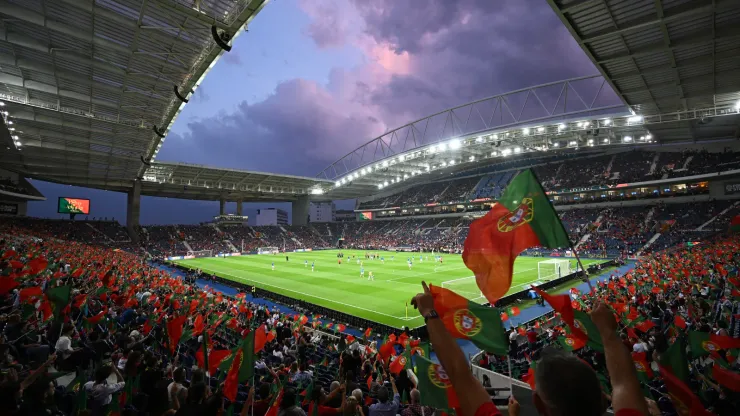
x,y
572,247
511,376
585,275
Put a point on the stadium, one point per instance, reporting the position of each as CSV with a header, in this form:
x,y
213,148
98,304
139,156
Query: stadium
x,y
640,162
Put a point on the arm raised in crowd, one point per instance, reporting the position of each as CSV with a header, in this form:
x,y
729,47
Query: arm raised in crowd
x,y
626,392
470,392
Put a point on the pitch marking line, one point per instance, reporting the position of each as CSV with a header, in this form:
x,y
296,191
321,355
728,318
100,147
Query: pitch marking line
x,y
403,318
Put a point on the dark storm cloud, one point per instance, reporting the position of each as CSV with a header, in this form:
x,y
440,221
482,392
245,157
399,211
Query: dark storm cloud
x,y
469,49
298,130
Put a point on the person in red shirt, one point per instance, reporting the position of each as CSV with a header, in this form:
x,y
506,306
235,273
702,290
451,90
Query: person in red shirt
x,y
564,384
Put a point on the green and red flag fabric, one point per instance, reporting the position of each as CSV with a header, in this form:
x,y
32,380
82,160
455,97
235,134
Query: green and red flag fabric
x,y
582,322
59,297
705,343
241,367
7,284
679,322
401,362
368,332
341,327
387,349
479,324
27,293
446,300
37,265
572,343
522,218
436,385
685,401
175,327
213,360
421,349
644,372
722,374
260,338
735,223
513,311
674,360
561,304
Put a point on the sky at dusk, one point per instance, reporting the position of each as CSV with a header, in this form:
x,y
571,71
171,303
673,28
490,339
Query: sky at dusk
x,y
314,79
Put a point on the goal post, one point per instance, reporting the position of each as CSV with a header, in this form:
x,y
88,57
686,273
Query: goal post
x,y
553,269
267,250
201,253
464,286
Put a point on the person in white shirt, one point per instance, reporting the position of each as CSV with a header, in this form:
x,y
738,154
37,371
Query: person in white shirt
x,y
100,391
176,391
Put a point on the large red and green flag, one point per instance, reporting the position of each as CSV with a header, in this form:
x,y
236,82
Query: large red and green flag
x,y
59,297
705,343
436,385
522,218
241,367
685,401
446,300
174,331
479,324
582,322
674,360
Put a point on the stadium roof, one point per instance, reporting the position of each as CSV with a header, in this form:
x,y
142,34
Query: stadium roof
x,y
181,180
665,56
92,87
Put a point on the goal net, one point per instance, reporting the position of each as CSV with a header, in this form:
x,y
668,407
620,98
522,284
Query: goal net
x,y
464,286
201,253
553,269
267,250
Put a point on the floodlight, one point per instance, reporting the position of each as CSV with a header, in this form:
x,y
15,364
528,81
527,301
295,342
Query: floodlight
x,y
540,129
525,131
627,139
561,127
634,119
607,122
455,144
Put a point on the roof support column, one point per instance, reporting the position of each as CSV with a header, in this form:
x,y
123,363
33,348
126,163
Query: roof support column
x,y
133,210
299,207
221,206
239,203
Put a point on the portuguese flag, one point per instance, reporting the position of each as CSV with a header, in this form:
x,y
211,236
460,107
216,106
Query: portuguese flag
x,y
644,372
421,349
240,365
704,343
435,384
582,321
401,362
572,343
683,398
521,219
480,324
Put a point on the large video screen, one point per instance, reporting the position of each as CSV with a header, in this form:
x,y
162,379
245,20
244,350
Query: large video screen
x,y
73,206
366,216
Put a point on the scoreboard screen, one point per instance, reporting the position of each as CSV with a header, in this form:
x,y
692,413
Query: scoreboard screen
x,y
73,206
366,216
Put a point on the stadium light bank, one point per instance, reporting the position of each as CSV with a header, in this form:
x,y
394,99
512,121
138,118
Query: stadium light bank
x,y
549,135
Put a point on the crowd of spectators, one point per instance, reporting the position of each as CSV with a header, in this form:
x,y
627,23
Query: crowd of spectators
x,y
667,302
590,170
89,330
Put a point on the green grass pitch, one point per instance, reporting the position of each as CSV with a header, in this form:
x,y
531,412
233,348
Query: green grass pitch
x,y
341,288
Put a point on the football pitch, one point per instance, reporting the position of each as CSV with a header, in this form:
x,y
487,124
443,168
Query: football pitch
x,y
341,288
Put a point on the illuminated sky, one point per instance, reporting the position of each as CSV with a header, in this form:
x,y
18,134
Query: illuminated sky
x,y
314,79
